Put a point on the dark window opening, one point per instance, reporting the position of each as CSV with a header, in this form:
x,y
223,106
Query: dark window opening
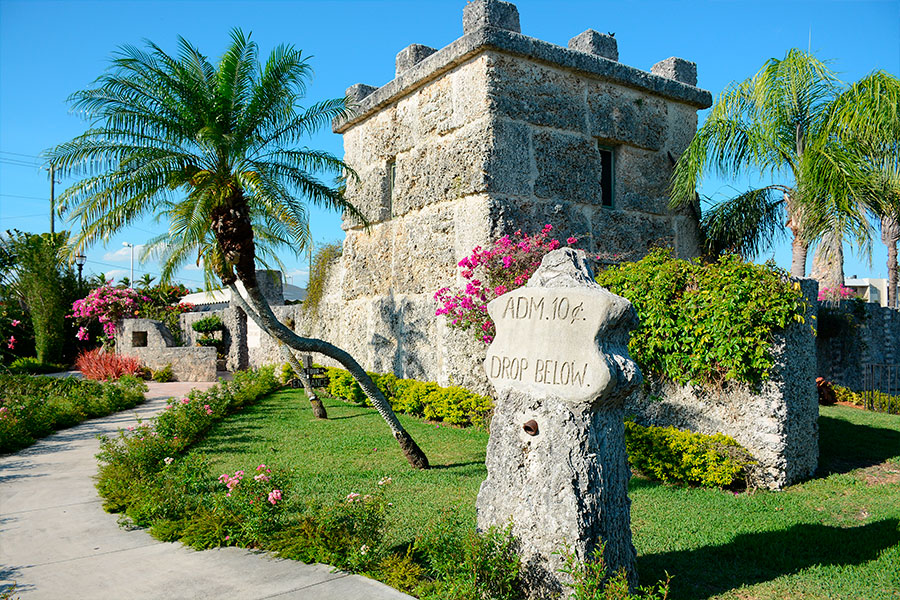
x,y
607,177
391,183
139,339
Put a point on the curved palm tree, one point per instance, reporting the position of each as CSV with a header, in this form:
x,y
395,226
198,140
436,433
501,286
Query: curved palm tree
x,y
213,148
775,123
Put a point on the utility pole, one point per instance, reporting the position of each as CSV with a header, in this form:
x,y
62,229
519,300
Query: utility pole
x,y
52,195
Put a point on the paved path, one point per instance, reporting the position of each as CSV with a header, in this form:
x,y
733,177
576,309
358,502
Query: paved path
x,y
56,542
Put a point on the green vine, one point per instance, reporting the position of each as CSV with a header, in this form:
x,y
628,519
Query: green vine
x,y
706,323
315,289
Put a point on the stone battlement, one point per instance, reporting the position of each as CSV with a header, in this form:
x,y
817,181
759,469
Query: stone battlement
x,y
486,26
496,132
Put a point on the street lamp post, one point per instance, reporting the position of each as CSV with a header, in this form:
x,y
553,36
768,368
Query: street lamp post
x,y
131,279
79,261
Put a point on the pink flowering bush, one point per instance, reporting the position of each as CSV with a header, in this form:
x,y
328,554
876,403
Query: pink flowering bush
x,y
107,304
491,272
256,501
835,294
16,335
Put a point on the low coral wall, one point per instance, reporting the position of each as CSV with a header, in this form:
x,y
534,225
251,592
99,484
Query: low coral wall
x,y
152,343
188,364
778,423
851,337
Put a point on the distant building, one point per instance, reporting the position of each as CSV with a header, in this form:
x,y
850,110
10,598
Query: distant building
x,y
869,289
220,299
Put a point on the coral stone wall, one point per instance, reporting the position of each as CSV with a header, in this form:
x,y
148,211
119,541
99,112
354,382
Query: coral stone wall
x,y
778,423
152,343
875,339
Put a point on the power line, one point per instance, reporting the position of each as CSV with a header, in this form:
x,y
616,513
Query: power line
x,y
23,197
18,163
21,217
19,154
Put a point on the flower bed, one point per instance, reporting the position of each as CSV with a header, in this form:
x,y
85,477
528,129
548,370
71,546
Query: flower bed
x,y
34,407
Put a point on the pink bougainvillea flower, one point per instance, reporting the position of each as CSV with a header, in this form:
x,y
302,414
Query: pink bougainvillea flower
x,y
82,333
572,240
208,409
274,497
12,342
15,322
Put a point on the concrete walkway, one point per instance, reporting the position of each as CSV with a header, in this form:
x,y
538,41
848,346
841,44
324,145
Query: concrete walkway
x,y
57,542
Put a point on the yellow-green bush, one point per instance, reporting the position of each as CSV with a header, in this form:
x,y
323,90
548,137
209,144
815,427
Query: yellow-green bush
x,y
454,405
876,400
676,456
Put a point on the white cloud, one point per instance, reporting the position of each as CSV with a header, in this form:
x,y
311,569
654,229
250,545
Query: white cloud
x,y
116,274
124,253
298,273
193,266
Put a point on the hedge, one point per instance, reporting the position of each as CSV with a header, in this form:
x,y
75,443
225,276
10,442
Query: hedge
x,y
671,455
454,405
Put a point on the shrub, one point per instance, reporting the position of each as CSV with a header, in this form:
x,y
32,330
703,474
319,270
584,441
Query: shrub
x,y
46,284
705,323
33,407
342,385
208,324
32,366
164,375
454,405
467,564
347,534
874,400
492,272
592,580
102,365
672,455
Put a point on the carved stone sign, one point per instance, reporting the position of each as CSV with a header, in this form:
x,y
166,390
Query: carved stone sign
x,y
556,464
546,342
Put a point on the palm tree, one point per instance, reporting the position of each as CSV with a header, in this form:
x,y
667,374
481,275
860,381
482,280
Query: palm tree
x,y
775,123
867,118
213,148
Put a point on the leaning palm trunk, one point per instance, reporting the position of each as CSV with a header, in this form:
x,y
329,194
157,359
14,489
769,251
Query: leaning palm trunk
x,y
890,235
828,262
317,406
259,310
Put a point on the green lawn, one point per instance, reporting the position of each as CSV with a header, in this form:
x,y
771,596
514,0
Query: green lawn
x,y
835,536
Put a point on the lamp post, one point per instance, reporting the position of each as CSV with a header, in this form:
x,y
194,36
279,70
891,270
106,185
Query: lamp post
x,y
131,279
79,261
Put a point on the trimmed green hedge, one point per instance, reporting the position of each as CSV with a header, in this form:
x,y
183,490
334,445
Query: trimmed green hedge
x,y
706,323
454,405
683,457
881,402
34,407
208,324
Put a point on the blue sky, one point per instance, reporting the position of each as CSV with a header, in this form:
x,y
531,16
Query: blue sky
x,y
48,49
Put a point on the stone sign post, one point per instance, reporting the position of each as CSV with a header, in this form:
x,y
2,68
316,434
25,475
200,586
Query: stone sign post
x,y
556,461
